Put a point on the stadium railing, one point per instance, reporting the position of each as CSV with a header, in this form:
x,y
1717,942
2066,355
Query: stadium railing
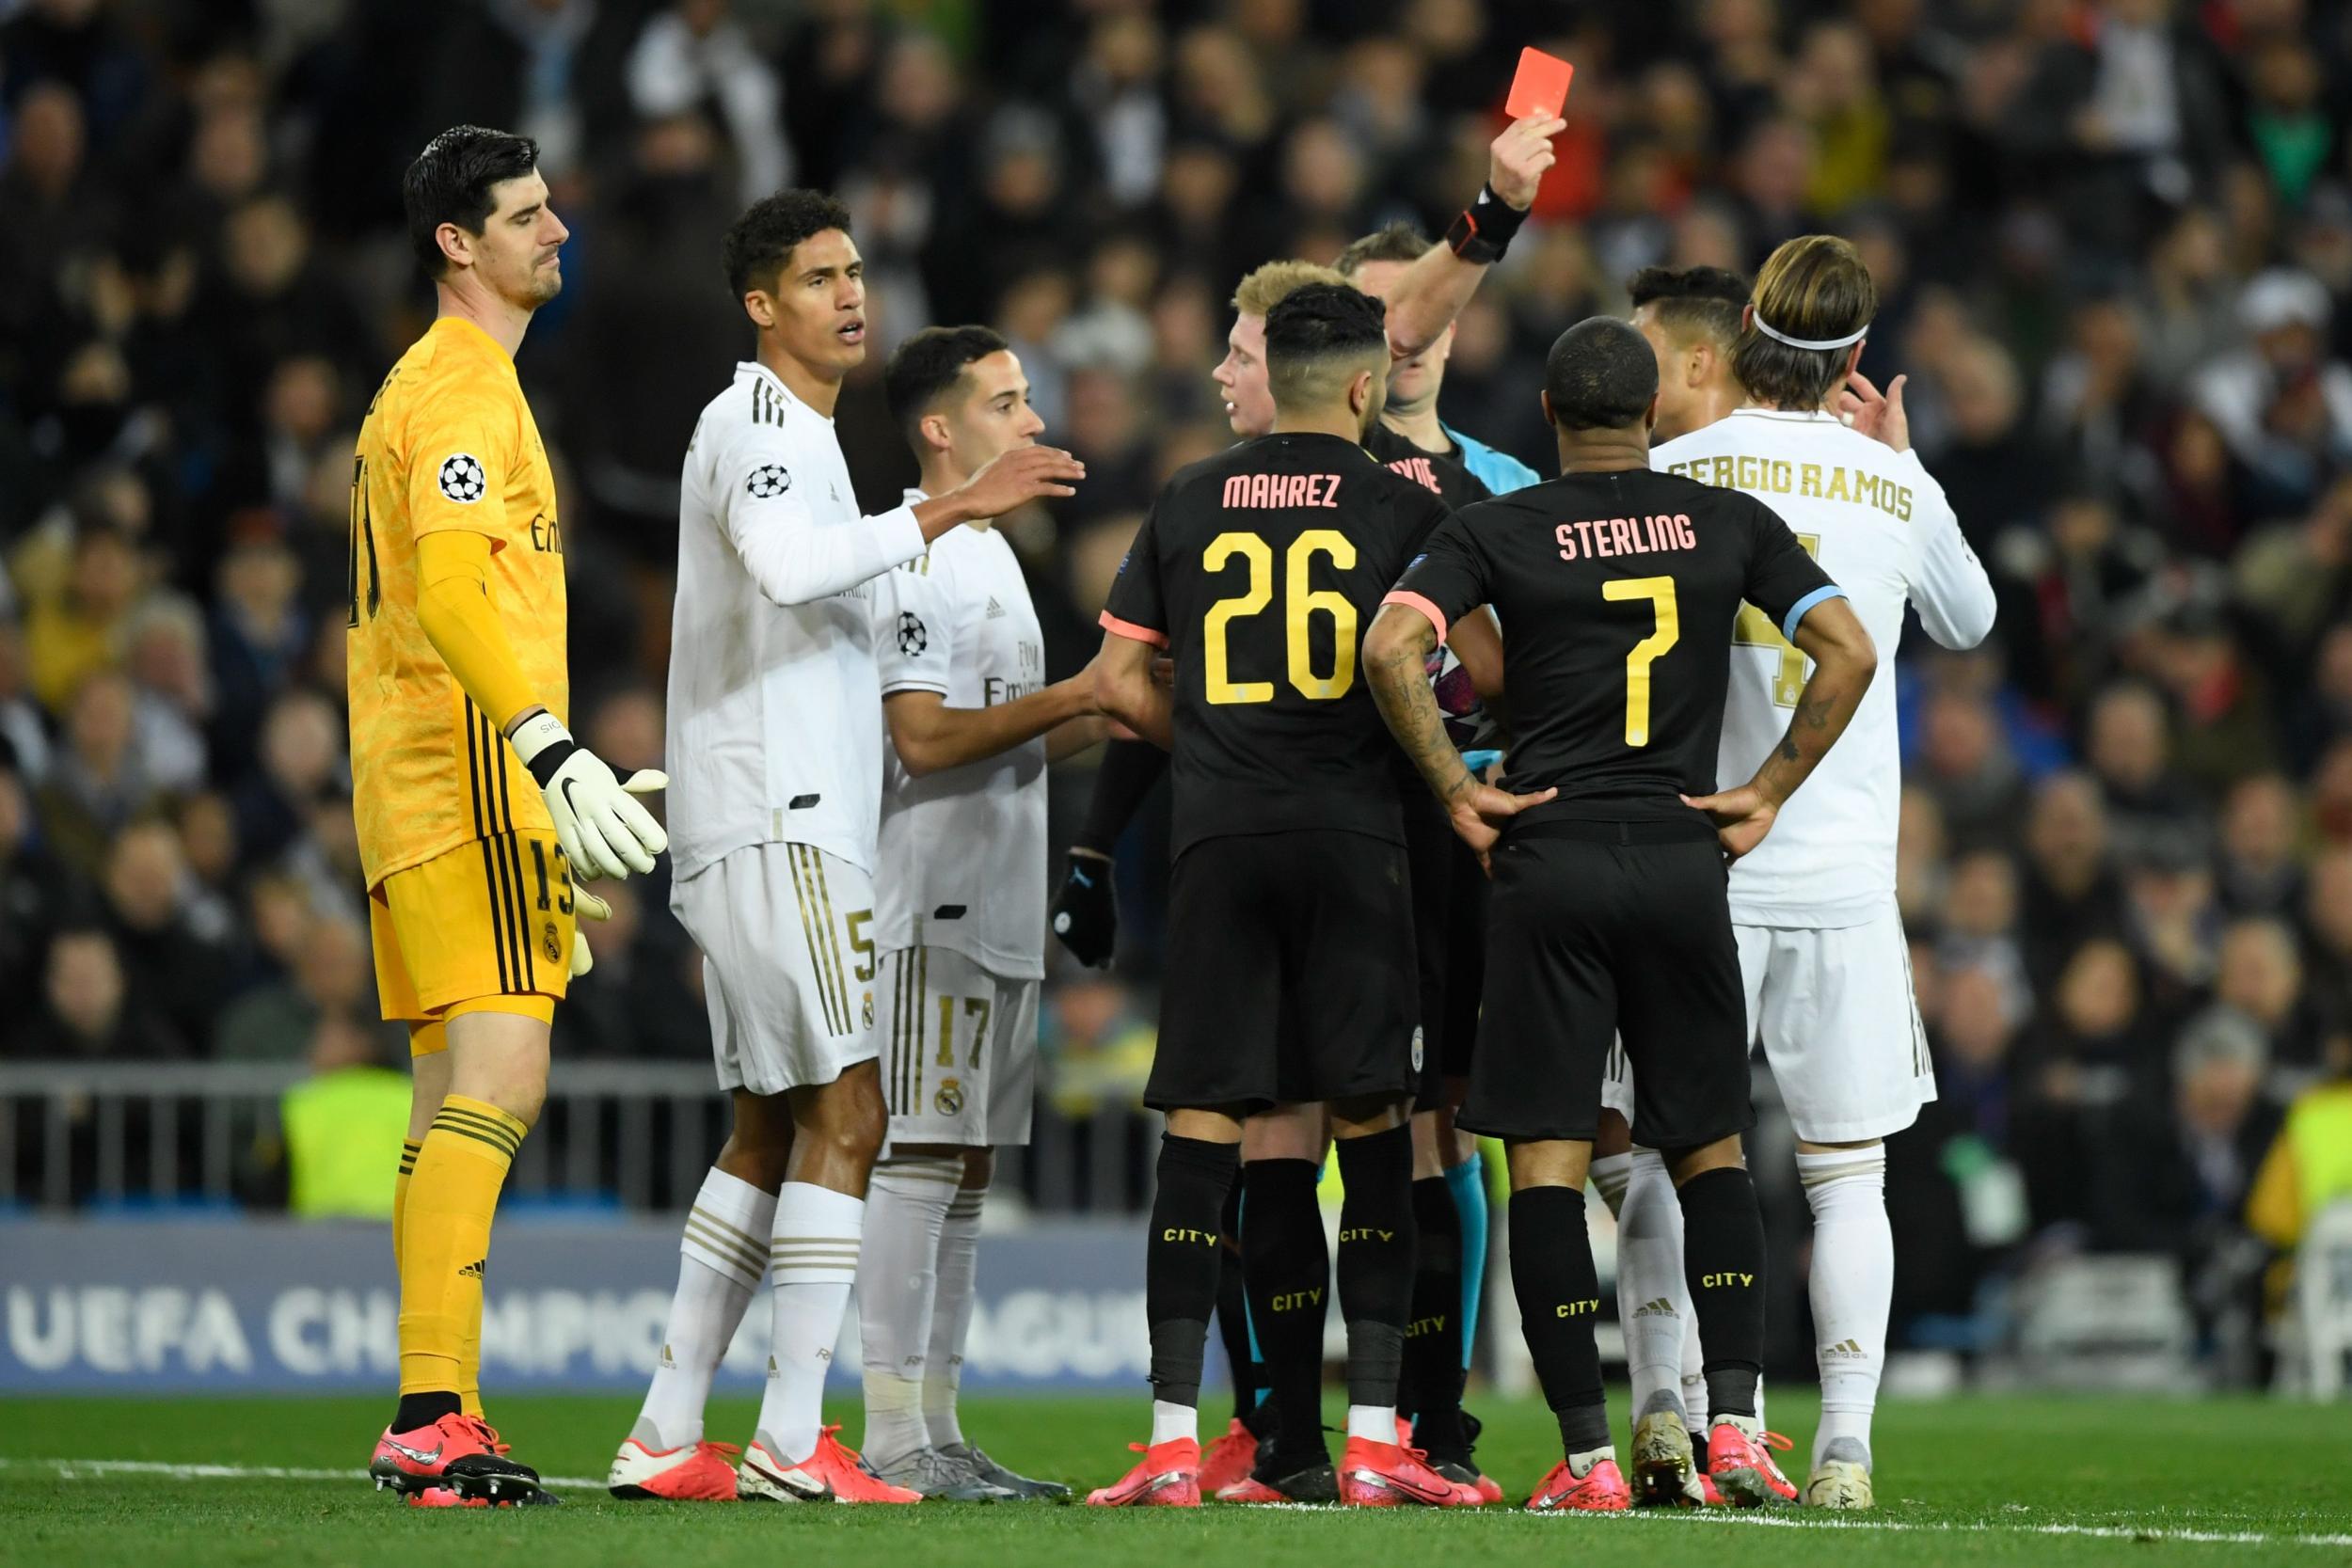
x,y
629,1135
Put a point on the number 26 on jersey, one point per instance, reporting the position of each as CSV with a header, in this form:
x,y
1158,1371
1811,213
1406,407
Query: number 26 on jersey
x,y
1300,602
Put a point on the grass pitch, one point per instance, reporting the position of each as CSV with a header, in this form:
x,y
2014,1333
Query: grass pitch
x,y
1975,1480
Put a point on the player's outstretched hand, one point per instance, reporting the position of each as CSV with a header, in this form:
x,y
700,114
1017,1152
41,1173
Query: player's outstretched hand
x,y
1743,817
586,906
1879,418
1018,477
1479,812
1516,159
1086,910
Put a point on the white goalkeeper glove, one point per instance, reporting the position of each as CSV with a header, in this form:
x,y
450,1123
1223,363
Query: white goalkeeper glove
x,y
586,906
598,820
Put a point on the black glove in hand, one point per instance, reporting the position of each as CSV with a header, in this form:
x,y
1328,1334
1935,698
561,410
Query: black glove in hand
x,y
1086,910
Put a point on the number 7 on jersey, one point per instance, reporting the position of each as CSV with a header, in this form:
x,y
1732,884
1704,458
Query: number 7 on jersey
x,y
1659,591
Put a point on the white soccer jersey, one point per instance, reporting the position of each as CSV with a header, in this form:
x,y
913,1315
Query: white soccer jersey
x,y
1878,523
963,850
775,703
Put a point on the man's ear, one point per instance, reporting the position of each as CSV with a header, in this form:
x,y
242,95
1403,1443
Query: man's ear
x,y
1359,392
456,245
1701,365
932,430
1853,361
761,306
1747,315
1649,415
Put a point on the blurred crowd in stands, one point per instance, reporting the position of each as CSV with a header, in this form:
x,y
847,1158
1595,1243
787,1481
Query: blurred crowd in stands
x,y
2113,239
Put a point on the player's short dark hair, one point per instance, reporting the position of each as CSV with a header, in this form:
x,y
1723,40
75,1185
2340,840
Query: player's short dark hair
x,y
1703,300
451,182
927,366
760,242
1599,375
1814,287
1317,330
1398,242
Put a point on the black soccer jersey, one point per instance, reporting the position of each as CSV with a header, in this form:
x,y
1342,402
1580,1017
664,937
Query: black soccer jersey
x,y
1618,594
1259,570
1439,471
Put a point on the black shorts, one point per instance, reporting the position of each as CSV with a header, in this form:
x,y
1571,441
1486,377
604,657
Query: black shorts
x,y
1289,972
1588,938
1450,941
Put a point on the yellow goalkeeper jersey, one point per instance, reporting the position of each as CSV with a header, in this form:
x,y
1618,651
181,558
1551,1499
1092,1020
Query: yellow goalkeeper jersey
x,y
448,443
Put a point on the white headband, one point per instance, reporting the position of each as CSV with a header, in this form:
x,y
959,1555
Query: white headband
x,y
1779,337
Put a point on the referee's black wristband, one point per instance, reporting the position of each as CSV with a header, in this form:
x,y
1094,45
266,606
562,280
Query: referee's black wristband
x,y
1485,228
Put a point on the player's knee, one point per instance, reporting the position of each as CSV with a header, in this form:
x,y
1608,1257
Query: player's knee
x,y
1613,1136
979,1168
1685,1165
1548,1163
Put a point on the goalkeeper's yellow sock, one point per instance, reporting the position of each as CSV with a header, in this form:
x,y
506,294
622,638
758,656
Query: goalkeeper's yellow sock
x,y
400,1195
445,1252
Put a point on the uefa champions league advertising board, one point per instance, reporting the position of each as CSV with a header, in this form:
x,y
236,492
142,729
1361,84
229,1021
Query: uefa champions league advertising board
x,y
144,1306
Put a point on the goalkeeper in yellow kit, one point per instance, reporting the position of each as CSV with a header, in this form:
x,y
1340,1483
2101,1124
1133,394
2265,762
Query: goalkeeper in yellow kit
x,y
475,807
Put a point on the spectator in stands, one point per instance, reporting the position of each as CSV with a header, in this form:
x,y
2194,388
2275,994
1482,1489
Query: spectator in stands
x,y
172,938
172,691
2130,750
88,1013
333,979
2281,403
339,1130
2261,973
302,759
33,893
2092,1048
2071,892
79,629
257,642
2309,1167
99,782
2261,867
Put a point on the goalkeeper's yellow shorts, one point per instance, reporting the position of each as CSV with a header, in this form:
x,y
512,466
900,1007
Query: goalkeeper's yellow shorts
x,y
484,927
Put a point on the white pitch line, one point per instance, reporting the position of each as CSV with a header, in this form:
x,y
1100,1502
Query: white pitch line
x,y
80,1469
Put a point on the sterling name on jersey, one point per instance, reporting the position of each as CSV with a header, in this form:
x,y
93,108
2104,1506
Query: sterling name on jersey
x,y
1258,570
1618,592
773,734
1879,525
963,850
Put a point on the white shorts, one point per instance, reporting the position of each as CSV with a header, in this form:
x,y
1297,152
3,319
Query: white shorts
x,y
1839,1024
787,968
960,1066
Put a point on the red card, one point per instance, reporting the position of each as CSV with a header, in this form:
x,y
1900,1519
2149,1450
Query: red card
x,y
1540,87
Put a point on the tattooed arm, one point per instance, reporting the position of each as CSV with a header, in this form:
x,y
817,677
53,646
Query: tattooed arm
x,y
1844,661
1396,652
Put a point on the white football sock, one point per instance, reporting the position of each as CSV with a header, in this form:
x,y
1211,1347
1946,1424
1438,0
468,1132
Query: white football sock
x,y
724,1259
1375,1423
898,1281
1694,1368
1172,1421
1853,1285
814,1255
1609,1174
1653,1297
951,1318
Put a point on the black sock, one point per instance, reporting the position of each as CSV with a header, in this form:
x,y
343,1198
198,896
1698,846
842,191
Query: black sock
x,y
1722,1255
1181,1260
1559,1296
423,1410
1375,1263
1433,1339
1232,1310
1289,1269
